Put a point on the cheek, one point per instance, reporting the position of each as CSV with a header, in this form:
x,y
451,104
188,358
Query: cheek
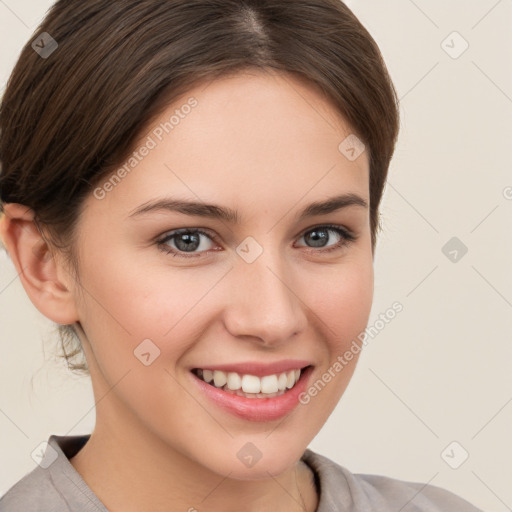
x,y
128,302
341,312
126,305
343,302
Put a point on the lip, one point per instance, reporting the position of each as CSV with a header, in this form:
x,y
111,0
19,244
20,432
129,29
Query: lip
x,y
255,409
259,369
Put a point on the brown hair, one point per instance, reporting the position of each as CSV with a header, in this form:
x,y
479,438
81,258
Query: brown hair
x,y
66,120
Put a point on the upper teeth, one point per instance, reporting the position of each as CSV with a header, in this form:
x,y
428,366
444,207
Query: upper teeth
x,y
251,383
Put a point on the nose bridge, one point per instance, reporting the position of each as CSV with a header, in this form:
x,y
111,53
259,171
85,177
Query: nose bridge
x,y
265,304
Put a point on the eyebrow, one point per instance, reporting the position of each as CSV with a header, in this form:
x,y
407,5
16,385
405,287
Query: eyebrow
x,y
227,214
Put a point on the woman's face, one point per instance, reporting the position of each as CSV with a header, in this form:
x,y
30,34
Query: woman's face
x,y
269,287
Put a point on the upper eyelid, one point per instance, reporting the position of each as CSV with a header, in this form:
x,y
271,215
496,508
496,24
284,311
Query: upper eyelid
x,y
210,233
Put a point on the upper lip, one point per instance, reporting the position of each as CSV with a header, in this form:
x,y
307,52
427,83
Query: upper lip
x,y
257,368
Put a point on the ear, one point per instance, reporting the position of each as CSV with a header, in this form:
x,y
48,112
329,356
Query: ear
x,y
47,283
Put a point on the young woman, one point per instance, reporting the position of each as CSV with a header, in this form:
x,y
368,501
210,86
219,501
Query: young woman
x,y
191,191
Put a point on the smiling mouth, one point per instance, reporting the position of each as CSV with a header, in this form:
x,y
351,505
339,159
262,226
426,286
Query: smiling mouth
x,y
251,386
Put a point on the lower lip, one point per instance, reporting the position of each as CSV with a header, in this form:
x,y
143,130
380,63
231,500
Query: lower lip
x,y
256,409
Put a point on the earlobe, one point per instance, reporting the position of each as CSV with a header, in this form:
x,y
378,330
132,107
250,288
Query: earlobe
x,y
48,285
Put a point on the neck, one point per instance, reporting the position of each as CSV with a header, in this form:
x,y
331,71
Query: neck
x,y
133,476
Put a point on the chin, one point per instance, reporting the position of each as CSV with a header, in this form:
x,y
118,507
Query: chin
x,y
248,460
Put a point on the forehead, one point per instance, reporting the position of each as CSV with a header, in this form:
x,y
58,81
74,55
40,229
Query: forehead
x,y
251,137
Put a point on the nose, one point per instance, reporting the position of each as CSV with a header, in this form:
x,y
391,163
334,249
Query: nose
x,y
265,300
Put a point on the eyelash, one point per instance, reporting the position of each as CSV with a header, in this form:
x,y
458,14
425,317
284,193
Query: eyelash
x,y
346,239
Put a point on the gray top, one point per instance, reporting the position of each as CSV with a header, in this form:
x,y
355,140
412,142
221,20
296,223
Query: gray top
x,y
55,486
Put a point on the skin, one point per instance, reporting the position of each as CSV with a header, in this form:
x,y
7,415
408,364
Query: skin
x,y
261,144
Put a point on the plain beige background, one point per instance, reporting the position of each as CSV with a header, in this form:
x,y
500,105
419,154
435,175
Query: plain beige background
x,y
434,384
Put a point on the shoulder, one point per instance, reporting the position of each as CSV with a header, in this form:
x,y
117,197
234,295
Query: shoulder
x,y
34,492
53,485
413,496
362,492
